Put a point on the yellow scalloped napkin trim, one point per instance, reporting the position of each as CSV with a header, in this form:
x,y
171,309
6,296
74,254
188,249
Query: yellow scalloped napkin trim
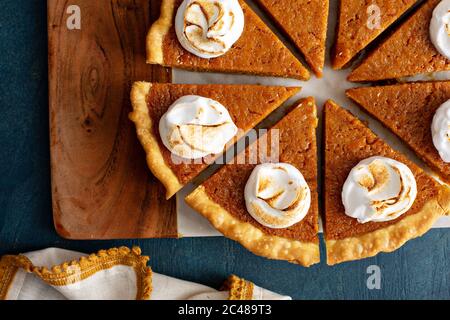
x,y
79,270
240,289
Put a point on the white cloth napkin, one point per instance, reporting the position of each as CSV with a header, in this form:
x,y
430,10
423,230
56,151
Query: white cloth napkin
x,y
114,274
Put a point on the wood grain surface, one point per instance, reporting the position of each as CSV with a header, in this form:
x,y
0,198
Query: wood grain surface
x,y
101,187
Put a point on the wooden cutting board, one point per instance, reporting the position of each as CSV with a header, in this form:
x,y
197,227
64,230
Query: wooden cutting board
x,y
101,186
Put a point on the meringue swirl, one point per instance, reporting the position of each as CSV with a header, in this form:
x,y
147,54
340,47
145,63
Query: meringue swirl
x,y
277,195
195,127
440,28
440,131
209,28
379,189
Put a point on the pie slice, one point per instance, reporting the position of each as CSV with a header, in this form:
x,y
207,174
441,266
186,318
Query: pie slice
x,y
407,52
347,142
408,110
361,22
305,22
221,198
248,105
258,51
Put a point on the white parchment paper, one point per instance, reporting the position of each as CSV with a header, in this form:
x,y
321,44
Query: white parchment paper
x,y
331,86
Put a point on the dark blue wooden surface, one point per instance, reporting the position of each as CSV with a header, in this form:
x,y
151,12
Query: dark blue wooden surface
x,y
420,270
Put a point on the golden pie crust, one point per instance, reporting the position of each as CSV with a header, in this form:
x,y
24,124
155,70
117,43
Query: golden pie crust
x,y
391,238
252,238
158,31
144,127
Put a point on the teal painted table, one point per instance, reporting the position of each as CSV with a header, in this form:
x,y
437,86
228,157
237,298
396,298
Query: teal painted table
x,y
420,270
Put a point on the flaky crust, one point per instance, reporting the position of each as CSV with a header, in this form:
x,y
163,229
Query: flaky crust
x,y
252,238
157,32
392,237
144,125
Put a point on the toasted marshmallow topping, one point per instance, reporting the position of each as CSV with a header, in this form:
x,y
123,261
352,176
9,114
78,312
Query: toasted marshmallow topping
x,y
440,28
379,189
195,127
209,28
277,195
440,130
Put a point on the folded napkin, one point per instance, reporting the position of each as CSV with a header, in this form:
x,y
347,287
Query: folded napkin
x,y
114,274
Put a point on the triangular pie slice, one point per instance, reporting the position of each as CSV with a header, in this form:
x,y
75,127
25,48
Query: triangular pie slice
x,y
407,52
408,111
305,22
258,51
221,198
347,142
248,105
360,23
